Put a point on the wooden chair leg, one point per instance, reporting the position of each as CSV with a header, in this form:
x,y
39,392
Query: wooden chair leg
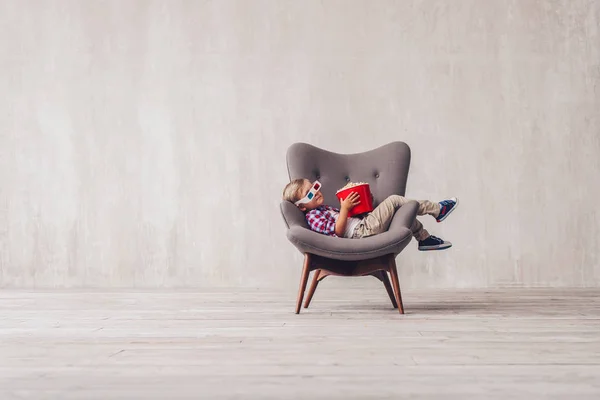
x,y
303,280
396,284
313,287
388,288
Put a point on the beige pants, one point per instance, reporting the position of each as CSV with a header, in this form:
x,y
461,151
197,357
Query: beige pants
x,y
378,220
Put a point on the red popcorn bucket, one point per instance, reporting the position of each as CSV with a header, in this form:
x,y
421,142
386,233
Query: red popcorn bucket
x,y
363,190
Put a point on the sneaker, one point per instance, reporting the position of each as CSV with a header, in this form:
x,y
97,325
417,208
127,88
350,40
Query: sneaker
x,y
446,207
433,243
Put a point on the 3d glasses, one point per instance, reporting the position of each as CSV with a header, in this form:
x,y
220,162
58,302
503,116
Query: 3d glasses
x,y
311,194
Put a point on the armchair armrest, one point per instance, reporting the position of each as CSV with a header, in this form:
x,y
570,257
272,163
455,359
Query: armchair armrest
x,y
292,216
405,216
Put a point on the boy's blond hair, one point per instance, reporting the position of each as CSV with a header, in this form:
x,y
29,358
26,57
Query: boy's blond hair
x,y
291,192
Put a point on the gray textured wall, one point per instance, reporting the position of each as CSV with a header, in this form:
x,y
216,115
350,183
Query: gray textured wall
x,y
142,142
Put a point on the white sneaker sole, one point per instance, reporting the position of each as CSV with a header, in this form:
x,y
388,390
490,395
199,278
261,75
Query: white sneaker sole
x,y
453,208
442,246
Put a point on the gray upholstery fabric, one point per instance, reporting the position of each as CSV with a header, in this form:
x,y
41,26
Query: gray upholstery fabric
x,y
386,171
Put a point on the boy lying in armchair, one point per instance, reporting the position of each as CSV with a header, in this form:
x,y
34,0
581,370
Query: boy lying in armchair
x,y
336,222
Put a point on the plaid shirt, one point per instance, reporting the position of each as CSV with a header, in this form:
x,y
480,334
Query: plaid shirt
x,y
321,220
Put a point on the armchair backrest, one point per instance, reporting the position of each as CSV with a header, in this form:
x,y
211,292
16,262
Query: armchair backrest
x,y
385,169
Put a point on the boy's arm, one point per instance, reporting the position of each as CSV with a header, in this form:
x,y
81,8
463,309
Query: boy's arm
x,y
340,225
346,205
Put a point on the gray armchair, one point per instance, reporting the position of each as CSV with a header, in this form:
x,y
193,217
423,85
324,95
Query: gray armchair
x,y
386,171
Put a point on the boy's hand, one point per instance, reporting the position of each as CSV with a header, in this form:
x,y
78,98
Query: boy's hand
x,y
349,202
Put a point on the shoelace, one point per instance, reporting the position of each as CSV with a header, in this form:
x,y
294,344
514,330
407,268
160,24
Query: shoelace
x,y
437,239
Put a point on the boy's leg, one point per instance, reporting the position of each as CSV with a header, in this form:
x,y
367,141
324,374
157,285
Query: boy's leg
x,y
418,231
380,218
427,207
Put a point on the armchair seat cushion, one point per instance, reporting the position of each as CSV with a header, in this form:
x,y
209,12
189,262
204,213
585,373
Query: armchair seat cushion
x,y
392,241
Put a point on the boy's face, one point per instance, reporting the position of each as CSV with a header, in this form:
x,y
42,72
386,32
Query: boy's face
x,y
315,202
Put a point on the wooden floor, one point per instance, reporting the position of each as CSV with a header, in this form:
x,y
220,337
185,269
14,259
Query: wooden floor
x,y
350,344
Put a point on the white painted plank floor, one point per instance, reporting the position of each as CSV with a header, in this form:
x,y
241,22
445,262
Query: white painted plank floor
x,y
350,344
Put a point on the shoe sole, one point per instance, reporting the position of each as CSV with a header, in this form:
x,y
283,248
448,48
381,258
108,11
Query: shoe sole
x,y
449,212
436,247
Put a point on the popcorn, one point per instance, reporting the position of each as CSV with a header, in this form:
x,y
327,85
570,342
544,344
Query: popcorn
x,y
351,185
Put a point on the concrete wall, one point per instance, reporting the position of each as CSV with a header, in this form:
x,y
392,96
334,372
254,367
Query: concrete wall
x,y
142,143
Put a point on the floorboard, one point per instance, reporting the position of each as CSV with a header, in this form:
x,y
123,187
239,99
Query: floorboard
x,y
228,344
